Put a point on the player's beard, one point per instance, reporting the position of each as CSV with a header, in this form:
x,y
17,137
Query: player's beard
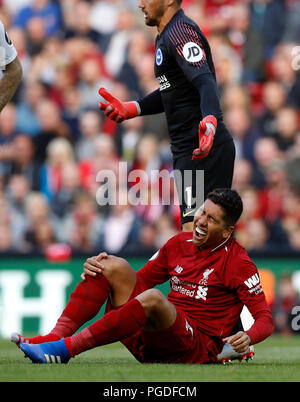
x,y
154,21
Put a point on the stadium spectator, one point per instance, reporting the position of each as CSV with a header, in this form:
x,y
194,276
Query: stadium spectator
x,y
165,229
287,127
63,200
90,126
273,99
104,15
104,159
131,134
17,189
77,21
8,130
38,213
91,78
265,152
121,227
116,52
59,154
48,10
8,224
147,245
80,227
282,70
23,161
272,195
228,63
8,133
139,45
6,240
235,95
52,126
27,121
71,110
291,218
40,237
242,175
244,132
36,35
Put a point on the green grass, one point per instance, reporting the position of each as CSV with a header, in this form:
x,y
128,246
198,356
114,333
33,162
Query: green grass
x,y
277,360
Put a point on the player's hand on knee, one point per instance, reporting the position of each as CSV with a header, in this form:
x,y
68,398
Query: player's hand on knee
x,y
207,129
240,341
116,110
101,256
93,266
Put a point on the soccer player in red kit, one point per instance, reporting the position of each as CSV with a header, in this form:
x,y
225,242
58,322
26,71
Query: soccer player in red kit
x,y
211,278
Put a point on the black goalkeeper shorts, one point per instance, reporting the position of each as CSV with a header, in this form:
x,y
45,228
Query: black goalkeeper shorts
x,y
196,178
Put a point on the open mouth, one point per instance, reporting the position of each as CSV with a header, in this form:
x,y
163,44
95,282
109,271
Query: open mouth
x,y
199,233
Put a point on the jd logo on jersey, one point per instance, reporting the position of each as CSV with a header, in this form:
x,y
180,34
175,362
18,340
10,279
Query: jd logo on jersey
x,y
192,52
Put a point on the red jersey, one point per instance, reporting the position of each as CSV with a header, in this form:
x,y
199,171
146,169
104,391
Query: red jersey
x,y
210,286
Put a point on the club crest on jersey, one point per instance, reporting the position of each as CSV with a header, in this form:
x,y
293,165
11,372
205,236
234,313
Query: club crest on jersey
x,y
159,57
206,274
192,52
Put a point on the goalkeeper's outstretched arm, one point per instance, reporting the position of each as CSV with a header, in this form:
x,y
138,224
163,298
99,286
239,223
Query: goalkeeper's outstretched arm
x,y
119,111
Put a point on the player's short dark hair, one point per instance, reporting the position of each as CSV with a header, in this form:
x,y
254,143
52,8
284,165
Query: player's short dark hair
x,y
230,201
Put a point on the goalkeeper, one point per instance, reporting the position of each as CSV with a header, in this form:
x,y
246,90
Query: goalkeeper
x,y
188,95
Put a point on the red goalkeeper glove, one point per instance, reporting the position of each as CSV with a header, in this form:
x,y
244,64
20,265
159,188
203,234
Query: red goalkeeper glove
x,y
207,129
116,110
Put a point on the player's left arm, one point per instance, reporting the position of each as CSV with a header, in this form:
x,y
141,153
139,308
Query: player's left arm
x,y
246,283
187,48
10,66
12,76
210,110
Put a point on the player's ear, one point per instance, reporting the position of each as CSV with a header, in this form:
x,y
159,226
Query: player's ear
x,y
172,3
228,231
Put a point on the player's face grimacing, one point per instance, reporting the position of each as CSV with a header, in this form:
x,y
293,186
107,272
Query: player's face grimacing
x,y
153,11
210,228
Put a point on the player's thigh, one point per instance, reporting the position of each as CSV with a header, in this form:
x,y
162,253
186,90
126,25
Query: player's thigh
x,y
172,344
219,167
159,311
121,277
190,185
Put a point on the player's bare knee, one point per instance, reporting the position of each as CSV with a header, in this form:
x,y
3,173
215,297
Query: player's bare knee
x,y
152,300
116,267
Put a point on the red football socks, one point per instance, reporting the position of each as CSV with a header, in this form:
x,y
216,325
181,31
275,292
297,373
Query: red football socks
x,y
38,339
112,327
84,303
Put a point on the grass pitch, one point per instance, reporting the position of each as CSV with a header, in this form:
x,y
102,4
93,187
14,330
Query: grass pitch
x,y
277,360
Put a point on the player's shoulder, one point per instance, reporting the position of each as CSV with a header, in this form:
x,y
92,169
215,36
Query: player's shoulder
x,y
238,251
182,29
181,25
239,258
180,242
180,237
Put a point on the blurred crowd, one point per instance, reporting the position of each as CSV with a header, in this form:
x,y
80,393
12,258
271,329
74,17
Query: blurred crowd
x,y
54,140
